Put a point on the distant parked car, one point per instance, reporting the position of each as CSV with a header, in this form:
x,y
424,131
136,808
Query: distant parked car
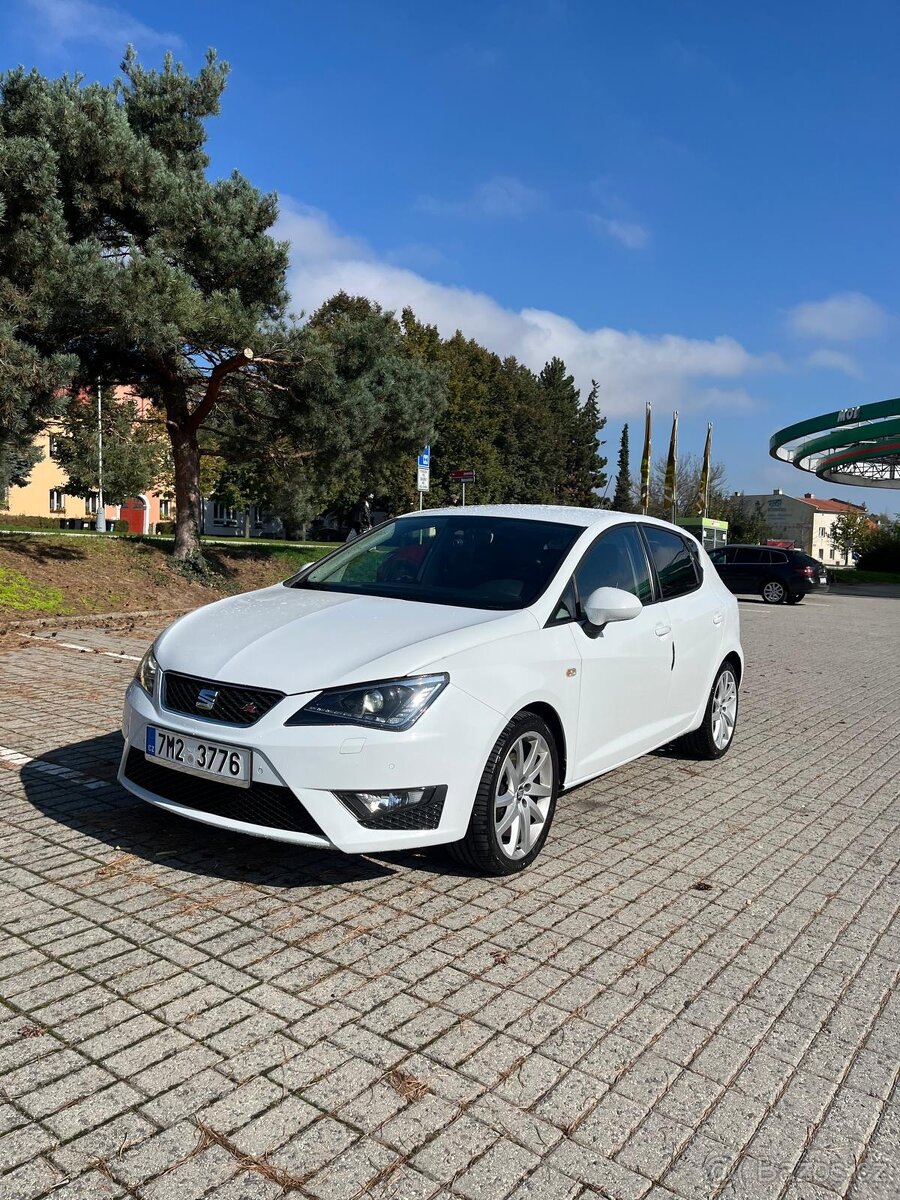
x,y
779,576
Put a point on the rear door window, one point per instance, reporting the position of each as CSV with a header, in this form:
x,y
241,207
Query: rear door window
x,y
674,561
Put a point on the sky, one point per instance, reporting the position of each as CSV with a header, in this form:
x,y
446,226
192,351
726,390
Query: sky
x,y
696,204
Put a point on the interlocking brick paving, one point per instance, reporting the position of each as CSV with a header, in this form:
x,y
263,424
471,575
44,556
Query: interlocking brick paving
x,y
690,994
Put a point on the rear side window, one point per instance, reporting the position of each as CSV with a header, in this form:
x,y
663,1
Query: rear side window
x,y
674,562
750,555
616,559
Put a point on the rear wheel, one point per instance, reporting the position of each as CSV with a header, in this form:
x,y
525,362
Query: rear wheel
x,y
714,737
515,801
774,591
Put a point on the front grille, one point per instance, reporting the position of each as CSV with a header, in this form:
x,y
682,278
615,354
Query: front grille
x,y
421,816
235,705
260,804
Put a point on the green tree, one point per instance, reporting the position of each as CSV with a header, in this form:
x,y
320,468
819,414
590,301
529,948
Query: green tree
x,y
884,552
623,497
154,275
746,526
148,272
33,377
586,475
346,411
852,533
470,434
136,452
573,465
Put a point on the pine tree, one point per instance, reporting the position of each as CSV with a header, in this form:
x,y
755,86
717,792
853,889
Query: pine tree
x,y
573,466
587,475
623,499
122,260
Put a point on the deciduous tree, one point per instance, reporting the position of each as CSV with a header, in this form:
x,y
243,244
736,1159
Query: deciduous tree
x,y
136,453
853,533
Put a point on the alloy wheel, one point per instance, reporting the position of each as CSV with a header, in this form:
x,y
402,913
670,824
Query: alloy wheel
x,y
523,794
724,709
773,592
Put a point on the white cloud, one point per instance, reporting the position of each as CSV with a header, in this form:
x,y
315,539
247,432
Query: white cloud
x,y
501,196
844,317
64,21
735,399
631,367
835,360
628,233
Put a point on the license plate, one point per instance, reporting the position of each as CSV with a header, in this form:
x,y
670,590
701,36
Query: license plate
x,y
197,756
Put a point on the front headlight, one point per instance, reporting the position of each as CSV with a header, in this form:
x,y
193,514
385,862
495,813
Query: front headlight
x,y
392,704
147,672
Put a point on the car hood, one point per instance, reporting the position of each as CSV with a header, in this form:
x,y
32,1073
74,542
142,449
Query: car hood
x,y
301,640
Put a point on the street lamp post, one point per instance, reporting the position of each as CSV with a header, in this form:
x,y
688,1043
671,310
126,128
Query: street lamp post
x,y
101,508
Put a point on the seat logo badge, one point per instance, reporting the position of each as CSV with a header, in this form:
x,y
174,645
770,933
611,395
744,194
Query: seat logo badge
x,y
250,709
206,699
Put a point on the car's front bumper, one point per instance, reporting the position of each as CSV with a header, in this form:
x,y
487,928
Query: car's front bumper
x,y
448,746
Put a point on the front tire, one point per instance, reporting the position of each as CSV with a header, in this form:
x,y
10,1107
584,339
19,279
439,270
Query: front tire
x,y
515,801
774,592
716,733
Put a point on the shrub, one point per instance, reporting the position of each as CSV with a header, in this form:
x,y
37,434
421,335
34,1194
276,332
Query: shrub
x,y
17,521
884,556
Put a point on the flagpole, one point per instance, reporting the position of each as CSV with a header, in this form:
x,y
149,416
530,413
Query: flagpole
x,y
645,465
670,490
708,455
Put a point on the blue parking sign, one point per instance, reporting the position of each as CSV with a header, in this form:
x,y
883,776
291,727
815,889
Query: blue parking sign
x,y
425,458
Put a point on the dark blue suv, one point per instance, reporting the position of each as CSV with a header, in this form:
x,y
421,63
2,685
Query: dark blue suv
x,y
779,576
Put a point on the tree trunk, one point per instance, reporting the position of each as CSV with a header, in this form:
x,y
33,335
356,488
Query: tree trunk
x,y
186,457
183,426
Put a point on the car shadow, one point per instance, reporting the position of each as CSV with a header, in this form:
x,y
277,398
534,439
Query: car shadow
x,y
111,816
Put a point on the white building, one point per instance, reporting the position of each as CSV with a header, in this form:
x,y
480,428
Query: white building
x,y
804,520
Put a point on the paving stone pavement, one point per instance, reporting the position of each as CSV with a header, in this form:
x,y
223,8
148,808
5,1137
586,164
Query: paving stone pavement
x,y
690,994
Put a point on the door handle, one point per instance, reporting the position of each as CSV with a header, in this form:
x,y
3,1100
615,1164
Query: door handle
x,y
662,630
718,618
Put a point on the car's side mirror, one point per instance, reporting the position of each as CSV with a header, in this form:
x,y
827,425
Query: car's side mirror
x,y
609,604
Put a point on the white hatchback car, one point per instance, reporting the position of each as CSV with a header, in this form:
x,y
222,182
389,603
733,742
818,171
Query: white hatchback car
x,y
438,680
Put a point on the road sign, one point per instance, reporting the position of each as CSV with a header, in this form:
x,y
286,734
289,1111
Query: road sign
x,y
463,476
425,458
424,479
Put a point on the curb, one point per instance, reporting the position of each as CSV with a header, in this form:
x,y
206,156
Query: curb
x,y
883,591
88,620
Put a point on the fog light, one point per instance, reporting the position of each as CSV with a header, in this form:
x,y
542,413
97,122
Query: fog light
x,y
374,804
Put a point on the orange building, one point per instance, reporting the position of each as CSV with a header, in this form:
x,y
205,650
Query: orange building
x,y
44,494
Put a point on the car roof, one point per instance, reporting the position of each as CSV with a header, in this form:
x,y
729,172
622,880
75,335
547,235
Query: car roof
x,y
757,546
559,513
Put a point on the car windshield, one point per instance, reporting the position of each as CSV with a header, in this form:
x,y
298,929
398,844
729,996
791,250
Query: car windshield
x,y
467,561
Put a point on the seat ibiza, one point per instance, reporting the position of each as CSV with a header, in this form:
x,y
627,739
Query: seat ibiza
x,y
440,679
